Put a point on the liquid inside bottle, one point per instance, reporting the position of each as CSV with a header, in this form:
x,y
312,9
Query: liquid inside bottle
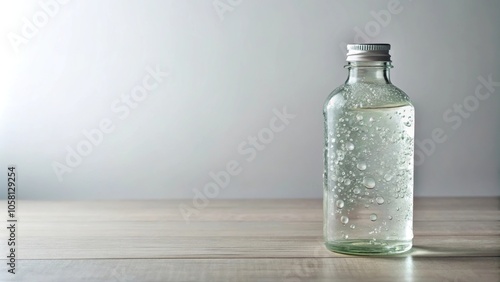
x,y
368,177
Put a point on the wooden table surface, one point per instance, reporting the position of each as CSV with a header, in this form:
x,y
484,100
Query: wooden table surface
x,y
456,239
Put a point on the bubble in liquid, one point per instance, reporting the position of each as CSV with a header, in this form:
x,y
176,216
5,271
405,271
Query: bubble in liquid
x,y
344,219
369,182
339,204
373,217
380,200
356,191
349,146
361,165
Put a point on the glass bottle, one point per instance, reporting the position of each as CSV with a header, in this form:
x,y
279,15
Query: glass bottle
x,y
368,158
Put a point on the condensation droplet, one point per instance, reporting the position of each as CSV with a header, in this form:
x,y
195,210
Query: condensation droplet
x,y
352,226
349,146
361,165
380,200
359,117
390,217
339,204
347,181
356,191
369,182
344,219
346,236
373,217
387,177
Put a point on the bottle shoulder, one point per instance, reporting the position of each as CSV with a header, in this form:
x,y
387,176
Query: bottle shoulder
x,y
367,95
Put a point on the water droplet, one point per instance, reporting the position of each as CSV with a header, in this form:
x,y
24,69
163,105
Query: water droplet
x,y
346,236
387,177
371,119
373,217
368,182
352,226
339,204
361,165
347,181
349,146
356,191
344,219
390,217
380,200
359,117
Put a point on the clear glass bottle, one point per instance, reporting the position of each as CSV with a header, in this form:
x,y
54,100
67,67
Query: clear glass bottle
x,y
368,159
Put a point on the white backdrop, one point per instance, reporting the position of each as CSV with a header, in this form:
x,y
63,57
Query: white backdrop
x,y
153,99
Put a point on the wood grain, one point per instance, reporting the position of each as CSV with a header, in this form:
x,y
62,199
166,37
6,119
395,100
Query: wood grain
x,y
456,239
266,269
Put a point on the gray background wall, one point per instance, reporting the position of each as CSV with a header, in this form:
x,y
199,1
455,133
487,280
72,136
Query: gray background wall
x,y
230,63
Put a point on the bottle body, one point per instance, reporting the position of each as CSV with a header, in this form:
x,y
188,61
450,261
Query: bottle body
x,y
368,164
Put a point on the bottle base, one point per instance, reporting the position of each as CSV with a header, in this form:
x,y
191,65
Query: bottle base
x,y
369,247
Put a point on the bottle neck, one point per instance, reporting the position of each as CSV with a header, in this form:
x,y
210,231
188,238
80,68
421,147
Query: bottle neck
x,y
369,72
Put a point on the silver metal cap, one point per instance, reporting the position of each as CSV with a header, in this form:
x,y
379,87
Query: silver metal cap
x,y
368,52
